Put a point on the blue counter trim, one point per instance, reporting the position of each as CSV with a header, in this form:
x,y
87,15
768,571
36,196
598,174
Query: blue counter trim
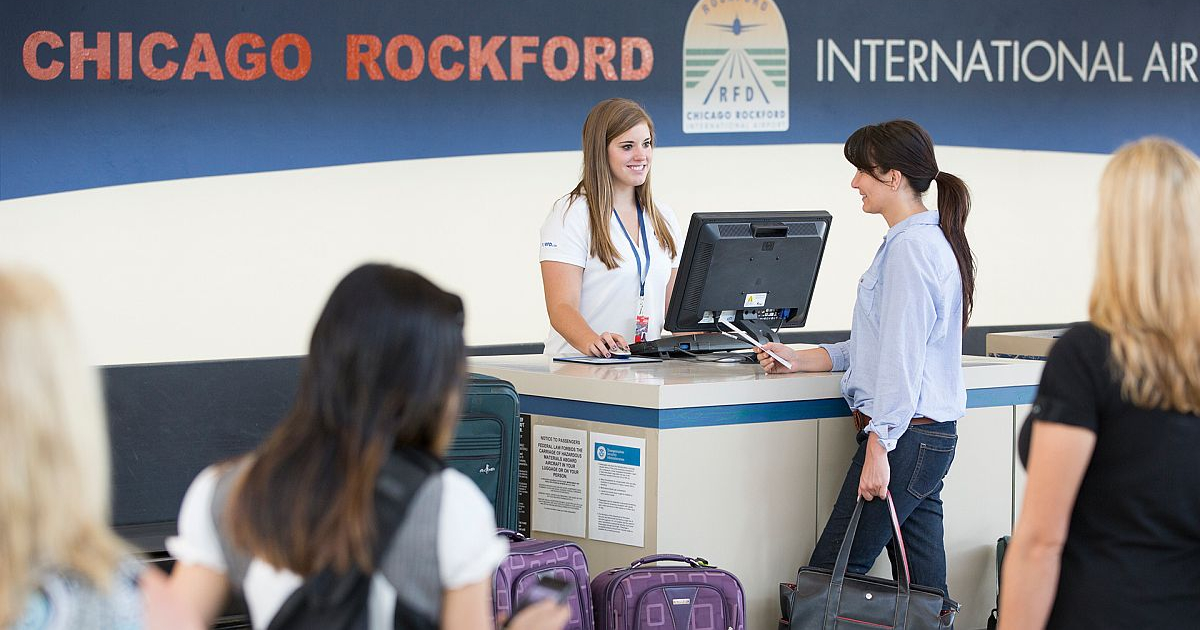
x,y
1001,396
599,412
719,415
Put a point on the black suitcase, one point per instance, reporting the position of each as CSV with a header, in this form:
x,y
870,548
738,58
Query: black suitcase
x,y
487,442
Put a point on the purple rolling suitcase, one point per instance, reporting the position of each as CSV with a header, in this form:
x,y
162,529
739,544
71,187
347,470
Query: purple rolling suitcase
x,y
527,560
697,597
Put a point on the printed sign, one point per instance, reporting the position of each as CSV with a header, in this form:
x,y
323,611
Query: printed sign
x,y
559,487
617,508
176,90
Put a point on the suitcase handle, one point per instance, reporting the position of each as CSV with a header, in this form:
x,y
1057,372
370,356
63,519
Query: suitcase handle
x,y
699,563
511,535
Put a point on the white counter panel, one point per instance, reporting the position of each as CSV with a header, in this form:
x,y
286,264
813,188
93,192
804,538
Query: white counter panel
x,y
741,496
743,467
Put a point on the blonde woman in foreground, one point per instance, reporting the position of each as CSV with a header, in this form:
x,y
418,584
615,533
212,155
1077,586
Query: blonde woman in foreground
x,y
60,564
1109,532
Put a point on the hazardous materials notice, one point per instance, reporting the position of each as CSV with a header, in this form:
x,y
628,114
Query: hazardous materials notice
x,y
559,482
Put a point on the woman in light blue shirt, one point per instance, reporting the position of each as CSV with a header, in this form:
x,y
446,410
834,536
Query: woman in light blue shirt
x,y
903,374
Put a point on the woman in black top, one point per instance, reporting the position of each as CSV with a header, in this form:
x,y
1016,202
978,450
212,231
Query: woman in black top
x,y
1109,533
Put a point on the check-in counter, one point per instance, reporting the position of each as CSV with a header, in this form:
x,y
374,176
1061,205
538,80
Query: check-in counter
x,y
742,467
1023,344
1033,345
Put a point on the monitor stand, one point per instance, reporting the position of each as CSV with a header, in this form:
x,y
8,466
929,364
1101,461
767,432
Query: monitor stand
x,y
758,329
704,343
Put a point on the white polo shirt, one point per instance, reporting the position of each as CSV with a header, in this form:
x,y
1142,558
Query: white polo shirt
x,y
608,298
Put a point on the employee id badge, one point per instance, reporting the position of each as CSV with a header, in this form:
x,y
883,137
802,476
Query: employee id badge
x,y
641,323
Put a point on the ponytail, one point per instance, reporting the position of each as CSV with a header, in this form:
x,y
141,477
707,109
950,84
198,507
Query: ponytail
x,y
954,204
904,146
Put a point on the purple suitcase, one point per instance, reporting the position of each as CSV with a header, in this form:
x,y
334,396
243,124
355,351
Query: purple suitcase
x,y
528,559
699,597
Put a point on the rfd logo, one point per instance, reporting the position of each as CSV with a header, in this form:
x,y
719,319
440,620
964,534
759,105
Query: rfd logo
x,y
735,67
487,469
736,94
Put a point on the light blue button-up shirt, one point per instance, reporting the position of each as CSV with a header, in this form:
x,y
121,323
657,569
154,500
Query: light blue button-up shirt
x,y
904,355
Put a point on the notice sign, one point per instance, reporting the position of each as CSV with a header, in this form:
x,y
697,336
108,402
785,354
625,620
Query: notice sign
x,y
617,510
559,486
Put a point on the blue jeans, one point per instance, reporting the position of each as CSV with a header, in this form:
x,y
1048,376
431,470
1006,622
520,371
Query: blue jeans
x,y
919,462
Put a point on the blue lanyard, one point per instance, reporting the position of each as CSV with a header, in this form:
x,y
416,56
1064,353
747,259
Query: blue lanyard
x,y
645,245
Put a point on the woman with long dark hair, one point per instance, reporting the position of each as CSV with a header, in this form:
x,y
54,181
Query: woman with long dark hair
x,y
349,488
903,362
609,252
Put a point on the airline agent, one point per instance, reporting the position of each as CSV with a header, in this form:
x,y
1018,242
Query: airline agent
x,y
609,253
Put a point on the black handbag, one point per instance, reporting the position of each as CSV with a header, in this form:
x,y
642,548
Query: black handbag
x,y
834,600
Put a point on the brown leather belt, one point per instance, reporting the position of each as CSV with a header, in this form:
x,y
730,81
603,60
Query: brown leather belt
x,y
861,420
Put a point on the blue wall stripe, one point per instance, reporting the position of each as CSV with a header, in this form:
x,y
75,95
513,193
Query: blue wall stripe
x,y
720,415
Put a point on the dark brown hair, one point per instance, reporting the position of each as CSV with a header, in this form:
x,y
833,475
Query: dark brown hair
x,y
384,370
904,146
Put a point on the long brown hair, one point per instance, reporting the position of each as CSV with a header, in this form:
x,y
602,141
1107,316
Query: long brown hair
x,y
608,120
1146,294
384,370
904,146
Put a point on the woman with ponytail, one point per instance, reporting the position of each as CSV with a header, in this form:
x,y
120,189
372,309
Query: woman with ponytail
x,y
903,361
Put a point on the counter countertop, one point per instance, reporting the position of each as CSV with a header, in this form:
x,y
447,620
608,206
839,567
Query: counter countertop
x,y
676,384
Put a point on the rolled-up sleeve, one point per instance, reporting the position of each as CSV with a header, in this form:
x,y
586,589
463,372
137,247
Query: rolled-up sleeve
x,y
907,315
839,354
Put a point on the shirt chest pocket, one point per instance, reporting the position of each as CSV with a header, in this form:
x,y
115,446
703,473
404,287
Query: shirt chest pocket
x,y
867,286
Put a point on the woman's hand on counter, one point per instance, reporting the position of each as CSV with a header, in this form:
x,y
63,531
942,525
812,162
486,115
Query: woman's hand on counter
x,y
604,344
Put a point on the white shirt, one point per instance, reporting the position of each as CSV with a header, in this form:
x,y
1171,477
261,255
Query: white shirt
x,y
608,297
468,548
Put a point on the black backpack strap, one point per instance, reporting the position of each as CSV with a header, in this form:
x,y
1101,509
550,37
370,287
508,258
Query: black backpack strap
x,y
328,600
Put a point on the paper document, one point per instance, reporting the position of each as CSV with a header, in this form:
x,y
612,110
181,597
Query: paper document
x,y
608,360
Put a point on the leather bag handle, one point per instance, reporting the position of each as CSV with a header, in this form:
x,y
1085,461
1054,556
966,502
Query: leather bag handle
x,y
833,598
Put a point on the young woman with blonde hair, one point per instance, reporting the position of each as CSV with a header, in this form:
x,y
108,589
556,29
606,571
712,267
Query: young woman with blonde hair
x,y
1109,532
609,252
60,564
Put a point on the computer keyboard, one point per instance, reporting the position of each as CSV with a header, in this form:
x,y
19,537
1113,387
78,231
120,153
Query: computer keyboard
x,y
687,345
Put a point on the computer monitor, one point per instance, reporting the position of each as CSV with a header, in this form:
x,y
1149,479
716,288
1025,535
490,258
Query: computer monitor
x,y
756,270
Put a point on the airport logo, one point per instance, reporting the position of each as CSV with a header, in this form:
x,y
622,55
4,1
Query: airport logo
x,y
735,67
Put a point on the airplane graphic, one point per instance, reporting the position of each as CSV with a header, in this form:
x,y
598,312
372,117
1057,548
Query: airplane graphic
x,y
736,27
